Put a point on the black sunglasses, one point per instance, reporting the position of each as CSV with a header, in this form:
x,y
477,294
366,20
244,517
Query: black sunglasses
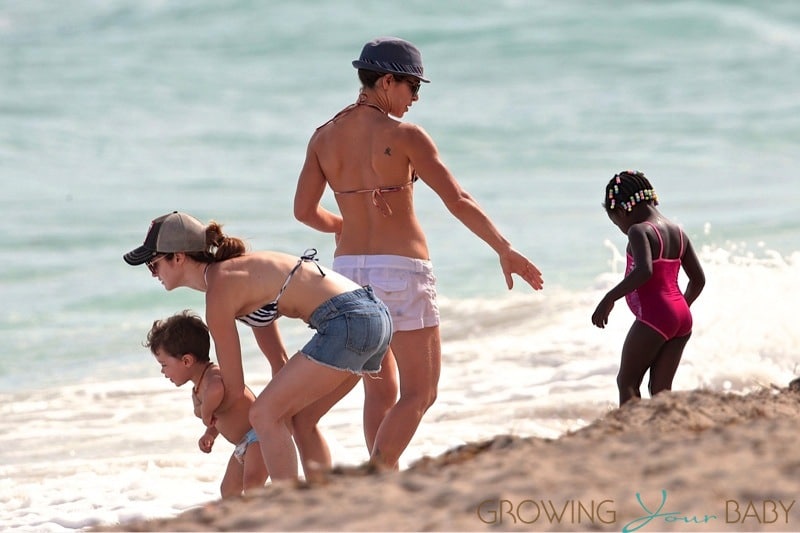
x,y
413,84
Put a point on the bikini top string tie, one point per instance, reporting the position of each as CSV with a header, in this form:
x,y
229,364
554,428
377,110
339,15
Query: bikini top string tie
x,y
310,255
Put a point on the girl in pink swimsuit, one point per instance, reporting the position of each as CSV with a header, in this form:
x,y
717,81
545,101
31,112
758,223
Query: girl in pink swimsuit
x,y
657,249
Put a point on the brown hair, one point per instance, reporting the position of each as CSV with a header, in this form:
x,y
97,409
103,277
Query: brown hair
x,y
368,78
219,246
182,333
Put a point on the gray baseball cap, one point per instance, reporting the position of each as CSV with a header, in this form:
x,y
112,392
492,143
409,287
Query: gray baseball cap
x,y
170,233
391,55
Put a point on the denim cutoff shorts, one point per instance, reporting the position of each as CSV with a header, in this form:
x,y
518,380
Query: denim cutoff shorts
x,y
353,331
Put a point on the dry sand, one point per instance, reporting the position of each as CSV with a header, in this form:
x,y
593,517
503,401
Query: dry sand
x,y
699,461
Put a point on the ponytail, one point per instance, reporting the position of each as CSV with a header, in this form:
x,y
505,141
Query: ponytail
x,y
219,246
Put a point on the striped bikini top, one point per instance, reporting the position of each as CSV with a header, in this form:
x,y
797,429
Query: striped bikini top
x,y
268,313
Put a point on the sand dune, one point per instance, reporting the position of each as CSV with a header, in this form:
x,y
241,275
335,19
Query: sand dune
x,y
682,461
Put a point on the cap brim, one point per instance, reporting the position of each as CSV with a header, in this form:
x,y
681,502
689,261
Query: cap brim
x,y
369,66
139,256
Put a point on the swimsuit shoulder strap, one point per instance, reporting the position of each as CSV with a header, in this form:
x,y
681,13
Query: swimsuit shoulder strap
x,y
349,108
660,240
308,256
205,274
339,114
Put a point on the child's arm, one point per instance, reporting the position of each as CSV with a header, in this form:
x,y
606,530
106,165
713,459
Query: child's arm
x,y
270,342
697,278
642,271
206,442
196,403
213,394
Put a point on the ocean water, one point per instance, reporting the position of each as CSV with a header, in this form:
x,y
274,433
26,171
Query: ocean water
x,y
114,112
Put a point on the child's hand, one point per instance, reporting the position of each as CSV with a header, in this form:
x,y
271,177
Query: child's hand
x,y
205,443
600,315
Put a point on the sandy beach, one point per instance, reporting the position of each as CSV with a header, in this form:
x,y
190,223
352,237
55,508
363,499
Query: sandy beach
x,y
682,461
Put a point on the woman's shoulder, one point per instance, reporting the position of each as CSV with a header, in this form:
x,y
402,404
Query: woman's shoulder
x,y
272,256
232,278
414,135
410,128
251,257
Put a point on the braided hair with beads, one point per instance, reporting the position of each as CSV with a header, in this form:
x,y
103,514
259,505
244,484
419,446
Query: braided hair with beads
x,y
628,188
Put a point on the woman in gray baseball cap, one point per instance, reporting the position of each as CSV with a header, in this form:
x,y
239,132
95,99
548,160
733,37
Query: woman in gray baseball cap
x,y
372,161
352,329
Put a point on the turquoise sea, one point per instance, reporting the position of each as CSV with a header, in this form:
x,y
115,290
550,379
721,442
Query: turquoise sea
x,y
114,112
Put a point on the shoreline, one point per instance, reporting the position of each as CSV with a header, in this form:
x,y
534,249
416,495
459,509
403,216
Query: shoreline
x,y
682,461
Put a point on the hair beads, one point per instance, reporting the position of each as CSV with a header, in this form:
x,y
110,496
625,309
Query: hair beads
x,y
628,188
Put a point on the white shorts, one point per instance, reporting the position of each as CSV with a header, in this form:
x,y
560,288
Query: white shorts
x,y
406,285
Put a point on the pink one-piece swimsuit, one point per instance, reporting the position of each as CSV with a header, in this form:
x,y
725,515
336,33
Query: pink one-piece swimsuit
x,y
659,303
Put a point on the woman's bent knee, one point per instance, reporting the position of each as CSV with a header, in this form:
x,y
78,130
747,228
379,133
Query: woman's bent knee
x,y
432,396
261,416
421,400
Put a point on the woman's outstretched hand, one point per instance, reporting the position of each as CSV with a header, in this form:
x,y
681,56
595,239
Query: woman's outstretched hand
x,y
513,262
